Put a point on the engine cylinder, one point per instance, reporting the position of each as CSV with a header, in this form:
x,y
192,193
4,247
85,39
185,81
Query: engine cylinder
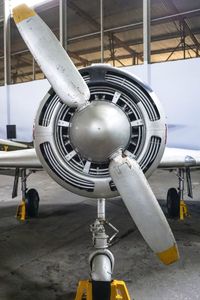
x,y
75,146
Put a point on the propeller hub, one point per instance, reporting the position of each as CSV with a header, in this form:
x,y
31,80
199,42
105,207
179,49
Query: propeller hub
x,y
99,130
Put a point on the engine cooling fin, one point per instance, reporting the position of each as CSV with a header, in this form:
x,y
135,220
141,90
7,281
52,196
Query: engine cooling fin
x,y
54,120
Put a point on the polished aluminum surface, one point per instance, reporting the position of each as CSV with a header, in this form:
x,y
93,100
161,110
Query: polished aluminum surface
x,y
172,158
141,203
102,265
179,158
54,61
26,158
13,144
59,155
99,130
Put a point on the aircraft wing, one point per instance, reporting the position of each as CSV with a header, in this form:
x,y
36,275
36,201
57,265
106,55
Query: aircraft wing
x,y
179,158
172,158
7,145
26,158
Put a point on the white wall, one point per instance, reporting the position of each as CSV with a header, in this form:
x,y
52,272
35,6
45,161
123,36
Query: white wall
x,y
24,101
3,112
177,85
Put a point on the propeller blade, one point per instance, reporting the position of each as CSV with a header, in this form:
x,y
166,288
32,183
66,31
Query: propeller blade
x,y
51,57
144,208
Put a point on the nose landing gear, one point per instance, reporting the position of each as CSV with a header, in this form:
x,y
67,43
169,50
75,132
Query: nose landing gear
x,y
101,286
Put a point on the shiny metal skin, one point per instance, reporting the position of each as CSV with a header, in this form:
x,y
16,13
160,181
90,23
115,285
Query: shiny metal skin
x,y
13,144
53,60
102,265
26,158
101,260
99,130
143,206
180,158
173,158
104,147
59,153
101,212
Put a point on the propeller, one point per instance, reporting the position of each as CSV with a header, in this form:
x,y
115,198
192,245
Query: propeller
x,y
51,57
125,172
143,207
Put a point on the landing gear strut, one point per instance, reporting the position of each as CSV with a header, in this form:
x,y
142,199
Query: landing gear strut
x,y
176,206
29,206
101,286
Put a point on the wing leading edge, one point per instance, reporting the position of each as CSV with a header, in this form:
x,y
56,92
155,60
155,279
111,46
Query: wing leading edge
x,y
180,158
19,159
6,144
172,158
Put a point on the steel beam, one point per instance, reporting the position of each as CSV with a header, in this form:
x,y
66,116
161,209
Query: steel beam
x,y
137,25
7,56
147,39
74,55
153,52
132,42
95,24
102,31
187,30
121,57
7,48
129,43
33,66
63,23
160,20
147,31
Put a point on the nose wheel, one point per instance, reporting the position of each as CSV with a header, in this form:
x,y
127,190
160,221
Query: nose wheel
x,y
101,286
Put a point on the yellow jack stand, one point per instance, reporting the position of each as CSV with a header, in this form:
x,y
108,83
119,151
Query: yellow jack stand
x,y
119,290
21,211
5,148
84,290
183,210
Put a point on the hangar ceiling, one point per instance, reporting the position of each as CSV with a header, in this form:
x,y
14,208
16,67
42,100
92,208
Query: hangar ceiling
x,y
175,34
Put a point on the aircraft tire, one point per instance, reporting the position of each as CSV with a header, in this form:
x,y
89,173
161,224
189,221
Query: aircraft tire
x,y
173,203
32,198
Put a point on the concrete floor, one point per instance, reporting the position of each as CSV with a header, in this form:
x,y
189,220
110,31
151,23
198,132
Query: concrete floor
x,y
46,257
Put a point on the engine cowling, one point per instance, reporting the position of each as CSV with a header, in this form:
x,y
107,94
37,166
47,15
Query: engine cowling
x,y
75,147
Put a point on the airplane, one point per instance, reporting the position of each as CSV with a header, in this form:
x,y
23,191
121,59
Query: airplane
x,y
99,132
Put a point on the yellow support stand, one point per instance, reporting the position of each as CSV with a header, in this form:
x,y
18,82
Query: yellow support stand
x,y
5,148
21,211
183,210
119,290
84,290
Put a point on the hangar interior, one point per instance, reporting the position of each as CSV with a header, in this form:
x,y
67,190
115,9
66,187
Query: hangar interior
x,y
175,34
45,257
